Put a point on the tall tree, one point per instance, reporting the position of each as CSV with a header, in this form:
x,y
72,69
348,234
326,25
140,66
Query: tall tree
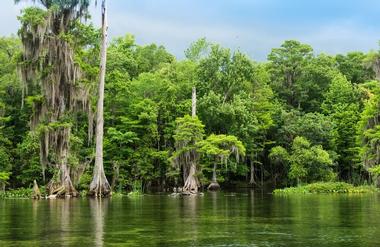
x,y
369,129
186,157
342,104
48,69
286,66
219,148
99,186
306,163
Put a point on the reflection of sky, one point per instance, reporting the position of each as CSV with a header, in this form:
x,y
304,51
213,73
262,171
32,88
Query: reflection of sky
x,y
253,26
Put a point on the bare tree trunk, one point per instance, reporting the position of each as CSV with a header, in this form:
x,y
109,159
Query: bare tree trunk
x,y
214,185
191,181
99,186
214,173
62,186
36,191
115,177
194,103
252,179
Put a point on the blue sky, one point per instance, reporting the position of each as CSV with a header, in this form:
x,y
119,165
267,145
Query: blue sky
x,y
252,26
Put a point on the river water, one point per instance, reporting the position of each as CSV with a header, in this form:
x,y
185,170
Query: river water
x,y
215,219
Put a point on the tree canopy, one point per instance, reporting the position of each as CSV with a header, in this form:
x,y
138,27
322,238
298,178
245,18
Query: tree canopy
x,y
298,117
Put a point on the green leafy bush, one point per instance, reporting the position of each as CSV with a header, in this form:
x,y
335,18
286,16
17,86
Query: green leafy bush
x,y
21,193
84,182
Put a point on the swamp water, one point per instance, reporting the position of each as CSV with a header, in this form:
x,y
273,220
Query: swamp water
x,y
216,219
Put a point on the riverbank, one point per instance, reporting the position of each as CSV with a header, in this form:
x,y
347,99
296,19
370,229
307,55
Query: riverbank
x,y
326,188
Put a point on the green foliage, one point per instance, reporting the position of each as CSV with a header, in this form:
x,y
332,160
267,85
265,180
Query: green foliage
x,y
375,170
32,16
353,66
189,131
197,50
368,128
326,188
84,182
287,64
137,189
20,193
4,177
306,163
299,116
316,127
221,146
218,149
278,155
342,104
224,73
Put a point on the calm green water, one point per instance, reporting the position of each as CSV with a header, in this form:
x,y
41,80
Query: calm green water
x,y
217,219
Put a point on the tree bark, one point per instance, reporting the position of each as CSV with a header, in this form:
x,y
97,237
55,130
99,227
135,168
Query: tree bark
x,y
99,186
252,178
62,186
192,182
115,177
214,173
194,103
36,191
214,185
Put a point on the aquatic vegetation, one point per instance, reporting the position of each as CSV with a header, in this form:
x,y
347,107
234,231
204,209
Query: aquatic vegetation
x,y
21,193
135,194
326,187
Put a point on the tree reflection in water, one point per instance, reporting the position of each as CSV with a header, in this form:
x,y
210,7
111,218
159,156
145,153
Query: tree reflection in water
x,y
98,207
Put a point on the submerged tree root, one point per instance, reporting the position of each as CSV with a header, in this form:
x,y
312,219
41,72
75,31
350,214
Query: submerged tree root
x,y
214,186
101,190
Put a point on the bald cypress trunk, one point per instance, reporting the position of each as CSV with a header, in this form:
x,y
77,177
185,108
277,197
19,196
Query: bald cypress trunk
x,y
214,185
48,71
99,186
194,103
191,181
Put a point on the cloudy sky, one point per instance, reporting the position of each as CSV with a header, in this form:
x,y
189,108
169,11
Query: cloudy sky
x,y
252,26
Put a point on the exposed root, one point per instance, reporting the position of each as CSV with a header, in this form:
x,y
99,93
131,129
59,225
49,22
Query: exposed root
x,y
99,186
102,189
64,187
191,183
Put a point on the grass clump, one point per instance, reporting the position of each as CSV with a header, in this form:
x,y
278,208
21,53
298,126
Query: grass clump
x,y
326,188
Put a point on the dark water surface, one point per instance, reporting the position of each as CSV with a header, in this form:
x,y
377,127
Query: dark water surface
x,y
216,219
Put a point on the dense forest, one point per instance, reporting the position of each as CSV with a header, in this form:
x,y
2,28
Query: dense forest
x,y
215,118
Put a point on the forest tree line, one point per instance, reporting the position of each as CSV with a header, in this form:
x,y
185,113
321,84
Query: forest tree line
x,y
299,117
